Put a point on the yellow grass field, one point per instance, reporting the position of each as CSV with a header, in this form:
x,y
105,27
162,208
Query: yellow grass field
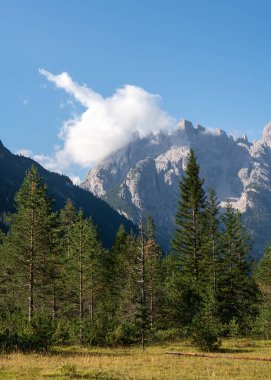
x,y
132,363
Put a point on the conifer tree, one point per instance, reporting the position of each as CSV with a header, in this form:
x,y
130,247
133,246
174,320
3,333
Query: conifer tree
x,y
124,256
142,308
237,291
54,268
188,241
28,242
67,220
153,273
263,279
212,241
86,277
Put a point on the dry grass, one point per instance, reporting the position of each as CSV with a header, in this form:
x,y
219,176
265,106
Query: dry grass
x,y
132,363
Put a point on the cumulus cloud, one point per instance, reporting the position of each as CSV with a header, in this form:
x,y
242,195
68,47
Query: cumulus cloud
x,y
106,124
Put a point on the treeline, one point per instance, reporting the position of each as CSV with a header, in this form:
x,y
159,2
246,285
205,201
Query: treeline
x,y
58,285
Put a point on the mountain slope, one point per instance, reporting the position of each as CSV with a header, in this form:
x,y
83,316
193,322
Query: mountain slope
x,y
144,176
60,188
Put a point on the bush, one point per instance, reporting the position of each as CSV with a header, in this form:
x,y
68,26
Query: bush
x,y
262,325
123,335
18,334
233,330
65,333
206,332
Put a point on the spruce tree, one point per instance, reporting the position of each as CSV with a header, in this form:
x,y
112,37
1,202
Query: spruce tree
x,y
212,241
124,253
54,268
67,220
263,279
86,275
141,312
188,240
28,243
237,291
154,289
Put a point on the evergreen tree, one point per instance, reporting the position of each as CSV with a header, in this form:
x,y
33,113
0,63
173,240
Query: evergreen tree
x,y
28,243
263,279
124,255
83,276
68,218
54,268
212,241
237,291
188,240
142,308
154,290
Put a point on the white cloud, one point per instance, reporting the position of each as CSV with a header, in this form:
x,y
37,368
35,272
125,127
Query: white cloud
x,y
76,180
106,124
24,152
25,102
49,163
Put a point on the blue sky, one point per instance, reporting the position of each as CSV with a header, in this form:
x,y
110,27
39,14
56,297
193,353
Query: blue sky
x,y
210,62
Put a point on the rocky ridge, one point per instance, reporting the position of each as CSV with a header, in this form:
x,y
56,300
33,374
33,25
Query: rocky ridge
x,y
144,175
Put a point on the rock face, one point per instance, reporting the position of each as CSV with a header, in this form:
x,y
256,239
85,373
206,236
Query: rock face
x,y
144,176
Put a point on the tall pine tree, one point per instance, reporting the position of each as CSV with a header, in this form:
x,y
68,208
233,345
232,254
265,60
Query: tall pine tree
x,y
237,291
28,243
188,240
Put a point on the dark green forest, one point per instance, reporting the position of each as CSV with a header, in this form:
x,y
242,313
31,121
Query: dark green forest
x,y
59,285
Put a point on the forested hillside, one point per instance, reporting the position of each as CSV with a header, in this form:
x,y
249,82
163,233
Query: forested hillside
x,y
60,188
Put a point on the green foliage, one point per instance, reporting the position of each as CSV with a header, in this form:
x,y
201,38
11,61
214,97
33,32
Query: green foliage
x,y
123,335
206,332
28,245
187,241
60,188
238,295
233,329
262,326
65,332
16,333
206,327
212,242
58,285
169,335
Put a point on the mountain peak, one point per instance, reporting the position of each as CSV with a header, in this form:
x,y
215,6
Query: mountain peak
x,y
243,140
200,128
267,134
149,175
186,126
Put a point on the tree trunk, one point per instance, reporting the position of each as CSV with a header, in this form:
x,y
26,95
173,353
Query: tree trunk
x,y
31,268
80,286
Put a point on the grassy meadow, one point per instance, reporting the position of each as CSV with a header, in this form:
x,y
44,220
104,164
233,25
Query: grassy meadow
x,y
132,363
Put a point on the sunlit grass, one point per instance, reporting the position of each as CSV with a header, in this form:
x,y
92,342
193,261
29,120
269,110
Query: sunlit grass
x,y
132,363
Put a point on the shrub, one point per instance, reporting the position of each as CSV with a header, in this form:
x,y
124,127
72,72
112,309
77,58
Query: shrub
x,y
19,334
206,332
123,335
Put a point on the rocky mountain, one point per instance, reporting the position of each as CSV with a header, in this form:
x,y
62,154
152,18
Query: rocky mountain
x,y
60,188
144,175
